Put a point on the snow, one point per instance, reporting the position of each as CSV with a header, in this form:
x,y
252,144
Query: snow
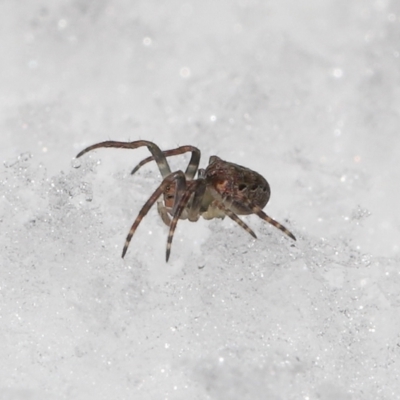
x,y
306,93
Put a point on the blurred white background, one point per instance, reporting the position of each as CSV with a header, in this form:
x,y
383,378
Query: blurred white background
x,y
306,93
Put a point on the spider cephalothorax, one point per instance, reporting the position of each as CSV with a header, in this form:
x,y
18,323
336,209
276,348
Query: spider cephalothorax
x,y
223,188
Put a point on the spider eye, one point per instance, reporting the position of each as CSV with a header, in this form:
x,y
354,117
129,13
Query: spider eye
x,y
242,186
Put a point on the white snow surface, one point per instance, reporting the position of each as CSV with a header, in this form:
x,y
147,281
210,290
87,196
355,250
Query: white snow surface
x,y
305,92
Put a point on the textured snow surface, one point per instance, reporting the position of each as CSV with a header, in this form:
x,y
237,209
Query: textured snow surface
x,y
305,92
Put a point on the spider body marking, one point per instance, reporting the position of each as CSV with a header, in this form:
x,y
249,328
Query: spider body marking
x,y
222,189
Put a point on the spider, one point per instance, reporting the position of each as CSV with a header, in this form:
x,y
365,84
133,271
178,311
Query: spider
x,y
223,188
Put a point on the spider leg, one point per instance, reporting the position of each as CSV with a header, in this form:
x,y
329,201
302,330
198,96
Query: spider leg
x,y
257,210
254,208
193,163
192,187
178,176
163,212
235,218
199,190
156,152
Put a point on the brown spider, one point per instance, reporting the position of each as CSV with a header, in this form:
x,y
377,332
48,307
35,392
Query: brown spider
x,y
223,188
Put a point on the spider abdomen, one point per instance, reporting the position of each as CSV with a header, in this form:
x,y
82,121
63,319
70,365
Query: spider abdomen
x,y
237,182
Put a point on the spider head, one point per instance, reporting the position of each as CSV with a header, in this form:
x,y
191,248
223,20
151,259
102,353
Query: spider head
x,y
169,195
